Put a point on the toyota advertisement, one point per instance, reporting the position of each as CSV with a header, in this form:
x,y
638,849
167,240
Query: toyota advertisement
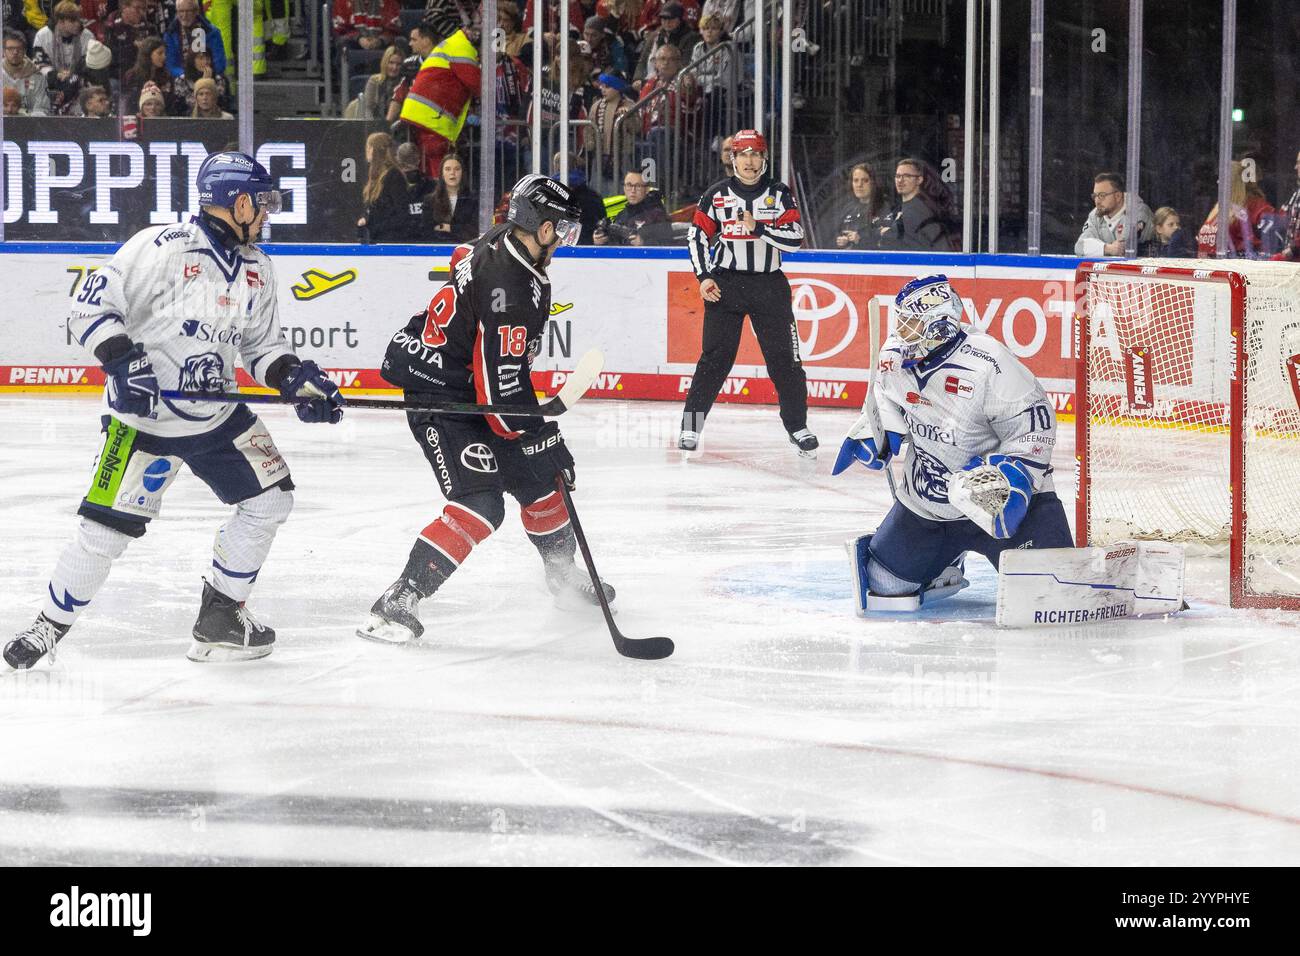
x,y
644,314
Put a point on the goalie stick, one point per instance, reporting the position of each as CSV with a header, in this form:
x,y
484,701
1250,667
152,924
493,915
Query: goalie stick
x,y
869,406
574,387
643,648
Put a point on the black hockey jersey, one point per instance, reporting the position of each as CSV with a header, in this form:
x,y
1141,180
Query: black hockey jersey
x,y
478,337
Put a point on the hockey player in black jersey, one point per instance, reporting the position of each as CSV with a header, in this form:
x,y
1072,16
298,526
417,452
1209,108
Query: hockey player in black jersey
x,y
475,343
740,229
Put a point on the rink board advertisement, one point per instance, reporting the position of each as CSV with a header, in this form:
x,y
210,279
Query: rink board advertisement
x,y
644,313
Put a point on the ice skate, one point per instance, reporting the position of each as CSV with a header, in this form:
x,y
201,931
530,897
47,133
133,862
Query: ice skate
x,y
394,618
27,649
806,442
688,441
573,589
227,631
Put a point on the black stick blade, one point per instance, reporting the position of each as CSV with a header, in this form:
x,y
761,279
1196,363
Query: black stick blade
x,y
646,648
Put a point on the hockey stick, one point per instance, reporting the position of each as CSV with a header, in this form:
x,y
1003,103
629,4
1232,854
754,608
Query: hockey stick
x,y
644,648
869,406
574,387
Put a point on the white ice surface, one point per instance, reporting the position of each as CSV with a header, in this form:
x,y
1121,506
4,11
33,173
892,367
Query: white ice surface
x,y
784,729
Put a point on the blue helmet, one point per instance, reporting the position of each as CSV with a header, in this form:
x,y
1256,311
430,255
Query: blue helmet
x,y
223,177
927,315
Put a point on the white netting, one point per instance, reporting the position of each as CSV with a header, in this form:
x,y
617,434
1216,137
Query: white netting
x,y
1160,363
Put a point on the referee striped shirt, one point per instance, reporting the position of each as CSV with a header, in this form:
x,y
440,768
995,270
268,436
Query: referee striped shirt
x,y
717,237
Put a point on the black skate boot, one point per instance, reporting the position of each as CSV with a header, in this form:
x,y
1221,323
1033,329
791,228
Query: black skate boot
x,y
572,587
806,442
227,631
394,618
26,650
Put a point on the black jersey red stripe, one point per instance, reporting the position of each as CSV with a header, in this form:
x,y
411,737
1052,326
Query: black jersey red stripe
x,y
476,340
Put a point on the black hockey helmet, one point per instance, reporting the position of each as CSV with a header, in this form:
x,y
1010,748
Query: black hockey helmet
x,y
537,199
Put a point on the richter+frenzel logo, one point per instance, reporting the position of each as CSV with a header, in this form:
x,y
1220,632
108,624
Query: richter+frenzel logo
x,y
77,909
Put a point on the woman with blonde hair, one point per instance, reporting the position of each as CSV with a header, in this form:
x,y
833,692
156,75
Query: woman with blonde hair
x,y
380,86
1246,206
384,193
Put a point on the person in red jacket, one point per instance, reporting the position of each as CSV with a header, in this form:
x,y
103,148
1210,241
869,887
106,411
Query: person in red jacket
x,y
440,95
368,24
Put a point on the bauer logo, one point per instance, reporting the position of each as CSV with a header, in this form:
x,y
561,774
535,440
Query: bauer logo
x,y
75,909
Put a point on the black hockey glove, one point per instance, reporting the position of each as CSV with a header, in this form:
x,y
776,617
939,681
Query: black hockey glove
x,y
132,385
319,399
546,455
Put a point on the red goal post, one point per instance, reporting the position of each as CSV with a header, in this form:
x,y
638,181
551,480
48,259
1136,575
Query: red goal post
x,y
1188,413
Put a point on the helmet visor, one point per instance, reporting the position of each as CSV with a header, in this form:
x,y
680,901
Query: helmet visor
x,y
567,232
271,200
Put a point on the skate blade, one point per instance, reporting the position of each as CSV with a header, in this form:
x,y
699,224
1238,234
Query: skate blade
x,y
807,455
386,632
202,653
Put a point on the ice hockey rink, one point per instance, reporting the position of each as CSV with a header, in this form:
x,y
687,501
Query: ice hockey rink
x,y
784,730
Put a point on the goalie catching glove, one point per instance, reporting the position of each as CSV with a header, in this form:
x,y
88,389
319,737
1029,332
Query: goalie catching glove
x,y
860,445
546,455
993,492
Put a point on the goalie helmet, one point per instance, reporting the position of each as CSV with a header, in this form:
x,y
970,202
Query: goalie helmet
x,y
927,316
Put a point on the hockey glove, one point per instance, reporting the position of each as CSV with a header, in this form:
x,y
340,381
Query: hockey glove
x,y
319,399
546,455
993,492
860,445
132,385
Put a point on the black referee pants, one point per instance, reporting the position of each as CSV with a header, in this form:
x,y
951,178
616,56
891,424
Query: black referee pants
x,y
765,298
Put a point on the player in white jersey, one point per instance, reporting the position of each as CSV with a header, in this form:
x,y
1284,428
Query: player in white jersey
x,y
178,305
977,475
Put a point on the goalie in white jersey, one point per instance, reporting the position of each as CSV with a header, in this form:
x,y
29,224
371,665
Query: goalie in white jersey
x,y
176,306
977,474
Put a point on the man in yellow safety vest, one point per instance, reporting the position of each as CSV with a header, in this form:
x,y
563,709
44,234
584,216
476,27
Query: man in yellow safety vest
x,y
439,99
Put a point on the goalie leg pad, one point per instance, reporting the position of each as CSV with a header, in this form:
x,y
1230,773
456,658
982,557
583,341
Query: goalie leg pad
x,y
876,588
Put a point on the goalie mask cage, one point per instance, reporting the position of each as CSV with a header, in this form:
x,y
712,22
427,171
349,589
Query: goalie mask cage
x,y
1188,413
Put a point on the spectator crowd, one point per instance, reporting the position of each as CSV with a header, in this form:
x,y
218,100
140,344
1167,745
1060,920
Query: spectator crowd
x,y
101,58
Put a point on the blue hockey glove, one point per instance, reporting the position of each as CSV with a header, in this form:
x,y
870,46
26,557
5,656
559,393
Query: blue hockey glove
x,y
132,385
994,493
865,451
319,399
546,455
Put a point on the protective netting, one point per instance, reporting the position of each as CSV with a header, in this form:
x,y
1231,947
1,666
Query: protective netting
x,y
1160,360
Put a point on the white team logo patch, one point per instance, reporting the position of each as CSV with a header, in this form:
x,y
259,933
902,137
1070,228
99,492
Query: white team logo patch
x,y
146,478
479,457
257,446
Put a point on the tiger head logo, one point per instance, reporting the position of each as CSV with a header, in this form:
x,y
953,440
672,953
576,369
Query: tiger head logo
x,y
203,373
929,476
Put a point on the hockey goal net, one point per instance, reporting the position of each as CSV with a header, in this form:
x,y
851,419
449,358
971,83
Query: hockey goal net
x,y
1188,413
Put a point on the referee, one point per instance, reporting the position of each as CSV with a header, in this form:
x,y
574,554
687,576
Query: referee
x,y
739,231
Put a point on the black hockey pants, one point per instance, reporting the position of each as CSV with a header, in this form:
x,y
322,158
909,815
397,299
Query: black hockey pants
x,y
765,298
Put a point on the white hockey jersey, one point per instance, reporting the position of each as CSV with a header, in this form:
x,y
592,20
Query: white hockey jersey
x,y
974,397
192,305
